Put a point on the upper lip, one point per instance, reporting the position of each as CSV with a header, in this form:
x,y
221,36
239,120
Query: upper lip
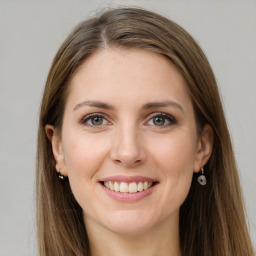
x,y
127,179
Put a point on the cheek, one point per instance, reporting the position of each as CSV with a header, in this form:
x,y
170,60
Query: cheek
x,y
84,156
174,154
174,160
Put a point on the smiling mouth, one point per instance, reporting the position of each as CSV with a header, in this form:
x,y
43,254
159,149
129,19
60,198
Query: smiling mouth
x,y
131,187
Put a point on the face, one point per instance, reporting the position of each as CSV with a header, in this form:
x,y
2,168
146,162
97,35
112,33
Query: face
x,y
129,143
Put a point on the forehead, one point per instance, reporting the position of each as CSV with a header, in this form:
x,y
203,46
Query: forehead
x,y
135,75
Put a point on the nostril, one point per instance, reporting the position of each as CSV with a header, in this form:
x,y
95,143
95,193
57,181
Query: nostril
x,y
128,163
128,151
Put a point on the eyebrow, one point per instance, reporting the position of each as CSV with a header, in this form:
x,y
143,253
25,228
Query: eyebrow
x,y
102,105
92,103
163,104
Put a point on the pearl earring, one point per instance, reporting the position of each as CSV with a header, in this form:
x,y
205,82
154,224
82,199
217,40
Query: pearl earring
x,y
202,179
61,176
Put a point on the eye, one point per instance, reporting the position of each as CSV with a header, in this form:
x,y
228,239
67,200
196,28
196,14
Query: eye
x,y
94,120
162,120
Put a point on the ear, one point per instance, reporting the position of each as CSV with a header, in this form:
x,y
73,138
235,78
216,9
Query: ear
x,y
57,149
204,148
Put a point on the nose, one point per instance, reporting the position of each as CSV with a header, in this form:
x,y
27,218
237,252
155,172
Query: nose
x,y
127,148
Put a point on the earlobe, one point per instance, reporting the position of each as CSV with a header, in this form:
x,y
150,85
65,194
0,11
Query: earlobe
x,y
57,149
204,148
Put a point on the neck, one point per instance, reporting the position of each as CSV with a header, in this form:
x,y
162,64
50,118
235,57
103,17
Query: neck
x,y
162,240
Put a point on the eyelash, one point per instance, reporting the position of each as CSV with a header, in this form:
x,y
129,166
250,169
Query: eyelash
x,y
90,117
170,119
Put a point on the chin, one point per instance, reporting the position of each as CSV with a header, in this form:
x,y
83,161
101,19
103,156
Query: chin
x,y
130,223
129,230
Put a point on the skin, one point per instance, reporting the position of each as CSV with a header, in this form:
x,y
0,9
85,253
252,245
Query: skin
x,y
130,141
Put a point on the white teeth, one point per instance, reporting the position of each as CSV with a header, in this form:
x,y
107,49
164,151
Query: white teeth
x,y
111,185
106,184
124,187
133,188
145,185
140,186
116,186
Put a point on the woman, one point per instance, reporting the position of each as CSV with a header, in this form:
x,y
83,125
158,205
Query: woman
x,y
134,154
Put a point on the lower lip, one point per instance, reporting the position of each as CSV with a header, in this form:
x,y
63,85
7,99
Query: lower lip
x,y
129,197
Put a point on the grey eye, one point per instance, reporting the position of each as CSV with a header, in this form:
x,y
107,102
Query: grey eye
x,y
96,120
162,120
159,120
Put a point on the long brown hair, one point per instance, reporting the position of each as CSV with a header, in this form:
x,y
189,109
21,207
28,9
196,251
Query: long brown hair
x,y
212,219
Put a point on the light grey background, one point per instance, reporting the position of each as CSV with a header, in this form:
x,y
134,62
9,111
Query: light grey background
x,y
30,34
